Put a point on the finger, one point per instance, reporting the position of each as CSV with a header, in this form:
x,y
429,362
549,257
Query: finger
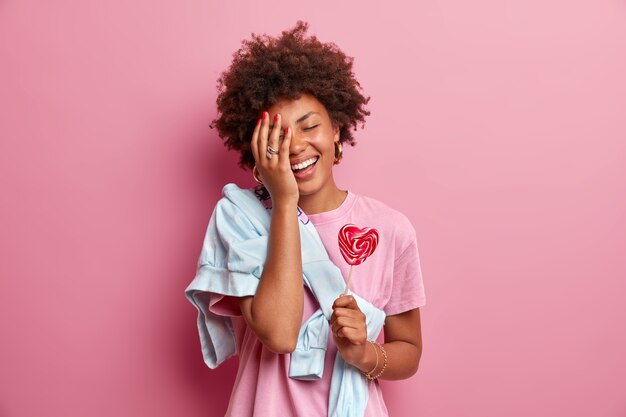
x,y
346,301
347,322
349,331
353,333
337,331
333,320
333,324
334,329
273,139
284,147
253,141
355,336
262,140
348,312
338,324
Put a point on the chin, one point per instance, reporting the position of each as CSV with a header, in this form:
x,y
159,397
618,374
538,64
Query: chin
x,y
308,188
306,191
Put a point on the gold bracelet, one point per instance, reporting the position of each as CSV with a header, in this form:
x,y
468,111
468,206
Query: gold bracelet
x,y
371,378
368,374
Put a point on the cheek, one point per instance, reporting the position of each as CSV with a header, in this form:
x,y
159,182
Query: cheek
x,y
326,143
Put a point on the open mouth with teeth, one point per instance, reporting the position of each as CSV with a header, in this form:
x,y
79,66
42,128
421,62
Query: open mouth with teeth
x,y
302,166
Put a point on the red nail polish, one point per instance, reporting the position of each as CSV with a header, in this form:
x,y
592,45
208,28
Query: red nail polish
x,y
264,115
258,122
286,130
276,117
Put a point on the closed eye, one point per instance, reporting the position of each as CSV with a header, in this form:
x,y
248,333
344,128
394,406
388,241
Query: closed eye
x,y
311,127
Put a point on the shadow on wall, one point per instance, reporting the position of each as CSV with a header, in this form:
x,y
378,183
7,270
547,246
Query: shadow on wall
x,y
223,168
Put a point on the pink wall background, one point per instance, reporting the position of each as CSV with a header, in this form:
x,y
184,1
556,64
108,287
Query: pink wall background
x,y
498,127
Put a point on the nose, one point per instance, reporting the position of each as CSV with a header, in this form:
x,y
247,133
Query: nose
x,y
298,143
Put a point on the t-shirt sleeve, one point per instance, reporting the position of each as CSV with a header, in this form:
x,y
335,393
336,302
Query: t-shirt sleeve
x,y
408,287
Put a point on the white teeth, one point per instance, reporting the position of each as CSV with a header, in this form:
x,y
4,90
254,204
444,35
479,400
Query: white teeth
x,y
304,164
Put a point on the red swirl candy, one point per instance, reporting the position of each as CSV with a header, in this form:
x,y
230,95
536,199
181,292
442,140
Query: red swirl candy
x,y
357,244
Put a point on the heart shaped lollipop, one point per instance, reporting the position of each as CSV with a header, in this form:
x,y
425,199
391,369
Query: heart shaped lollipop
x,y
356,245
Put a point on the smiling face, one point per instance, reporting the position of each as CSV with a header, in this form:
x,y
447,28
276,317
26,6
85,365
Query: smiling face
x,y
312,151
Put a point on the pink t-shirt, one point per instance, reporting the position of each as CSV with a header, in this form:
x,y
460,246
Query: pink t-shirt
x,y
390,279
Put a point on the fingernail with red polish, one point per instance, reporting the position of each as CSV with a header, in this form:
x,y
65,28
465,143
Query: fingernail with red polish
x,y
264,115
286,130
258,122
276,117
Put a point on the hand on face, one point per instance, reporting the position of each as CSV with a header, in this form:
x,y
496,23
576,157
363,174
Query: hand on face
x,y
349,329
275,172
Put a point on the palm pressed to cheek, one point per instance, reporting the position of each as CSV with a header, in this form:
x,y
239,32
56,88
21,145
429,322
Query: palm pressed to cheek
x,y
311,147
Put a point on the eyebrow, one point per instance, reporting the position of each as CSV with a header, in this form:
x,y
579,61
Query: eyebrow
x,y
300,120
306,116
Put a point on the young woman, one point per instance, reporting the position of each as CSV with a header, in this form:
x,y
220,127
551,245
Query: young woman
x,y
287,104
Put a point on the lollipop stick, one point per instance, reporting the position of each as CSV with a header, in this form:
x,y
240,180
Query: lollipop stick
x,y
348,283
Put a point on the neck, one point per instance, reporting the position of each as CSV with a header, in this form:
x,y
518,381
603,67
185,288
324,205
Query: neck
x,y
322,201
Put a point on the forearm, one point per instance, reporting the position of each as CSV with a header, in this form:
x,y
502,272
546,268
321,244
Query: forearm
x,y
402,360
277,306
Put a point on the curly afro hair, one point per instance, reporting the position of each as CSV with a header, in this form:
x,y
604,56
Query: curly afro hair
x,y
268,69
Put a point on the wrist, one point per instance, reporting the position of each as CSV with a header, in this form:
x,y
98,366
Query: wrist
x,y
286,203
369,360
376,372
